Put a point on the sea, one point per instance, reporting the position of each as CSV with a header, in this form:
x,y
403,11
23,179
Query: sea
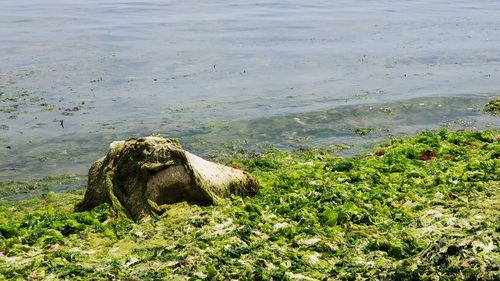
x,y
237,76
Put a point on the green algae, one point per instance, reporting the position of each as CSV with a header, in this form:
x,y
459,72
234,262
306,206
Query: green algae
x,y
493,107
363,131
419,208
23,101
29,188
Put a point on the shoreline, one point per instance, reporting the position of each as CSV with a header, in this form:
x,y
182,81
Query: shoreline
x,y
417,206
36,156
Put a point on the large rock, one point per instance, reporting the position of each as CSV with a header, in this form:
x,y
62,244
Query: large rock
x,y
139,175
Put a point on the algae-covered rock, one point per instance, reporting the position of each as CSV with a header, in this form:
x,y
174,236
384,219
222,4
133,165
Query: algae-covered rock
x,y
493,107
139,175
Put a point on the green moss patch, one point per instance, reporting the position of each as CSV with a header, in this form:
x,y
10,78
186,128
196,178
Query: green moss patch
x,y
493,107
419,208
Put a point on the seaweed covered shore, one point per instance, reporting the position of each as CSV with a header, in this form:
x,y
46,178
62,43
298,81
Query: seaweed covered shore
x,y
420,208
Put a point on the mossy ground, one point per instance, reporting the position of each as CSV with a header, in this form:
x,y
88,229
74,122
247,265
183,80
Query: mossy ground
x,y
421,208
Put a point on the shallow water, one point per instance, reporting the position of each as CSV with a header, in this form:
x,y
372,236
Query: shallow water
x,y
76,75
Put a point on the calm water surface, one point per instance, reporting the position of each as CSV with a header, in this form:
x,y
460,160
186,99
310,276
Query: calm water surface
x,y
75,75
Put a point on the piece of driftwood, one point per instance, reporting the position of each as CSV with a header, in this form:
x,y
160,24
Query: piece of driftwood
x,y
140,175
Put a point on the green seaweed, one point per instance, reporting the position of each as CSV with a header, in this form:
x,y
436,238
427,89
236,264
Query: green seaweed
x,y
35,186
363,131
417,208
493,107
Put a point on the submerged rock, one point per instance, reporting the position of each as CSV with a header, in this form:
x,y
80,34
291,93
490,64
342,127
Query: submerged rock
x,y
139,175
